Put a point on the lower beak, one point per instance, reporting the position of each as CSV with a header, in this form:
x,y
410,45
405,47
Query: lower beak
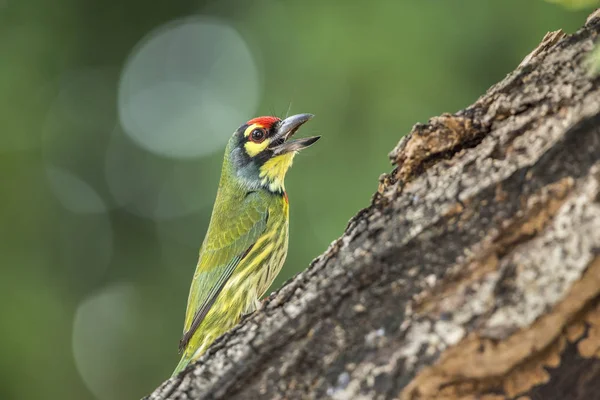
x,y
281,142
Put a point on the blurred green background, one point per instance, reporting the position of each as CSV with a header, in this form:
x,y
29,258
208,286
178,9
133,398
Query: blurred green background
x,y
114,120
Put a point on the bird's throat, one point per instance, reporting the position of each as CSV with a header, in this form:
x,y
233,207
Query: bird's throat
x,y
272,172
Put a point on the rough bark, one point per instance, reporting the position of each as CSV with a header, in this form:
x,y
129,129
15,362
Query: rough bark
x,y
474,273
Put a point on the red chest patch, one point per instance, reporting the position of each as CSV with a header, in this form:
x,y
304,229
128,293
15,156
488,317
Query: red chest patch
x,y
285,198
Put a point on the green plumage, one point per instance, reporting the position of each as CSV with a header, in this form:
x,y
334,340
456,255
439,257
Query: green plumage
x,y
242,253
247,238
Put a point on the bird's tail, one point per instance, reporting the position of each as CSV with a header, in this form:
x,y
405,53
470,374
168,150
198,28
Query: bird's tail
x,y
183,363
189,355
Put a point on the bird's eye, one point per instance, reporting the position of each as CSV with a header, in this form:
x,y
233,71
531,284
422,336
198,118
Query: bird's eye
x,y
257,135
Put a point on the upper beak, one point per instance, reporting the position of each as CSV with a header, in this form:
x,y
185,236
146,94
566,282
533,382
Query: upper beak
x,y
280,141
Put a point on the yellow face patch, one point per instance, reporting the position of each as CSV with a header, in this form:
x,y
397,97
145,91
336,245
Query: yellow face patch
x,y
254,148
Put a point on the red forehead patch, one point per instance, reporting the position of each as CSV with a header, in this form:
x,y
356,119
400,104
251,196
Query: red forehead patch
x,y
265,122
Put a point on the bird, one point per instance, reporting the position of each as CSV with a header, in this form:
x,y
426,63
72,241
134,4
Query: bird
x,y
246,242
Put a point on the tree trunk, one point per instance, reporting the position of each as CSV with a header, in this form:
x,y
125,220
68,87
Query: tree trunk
x,y
474,273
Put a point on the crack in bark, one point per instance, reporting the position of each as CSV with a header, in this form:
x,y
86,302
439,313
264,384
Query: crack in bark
x,y
447,260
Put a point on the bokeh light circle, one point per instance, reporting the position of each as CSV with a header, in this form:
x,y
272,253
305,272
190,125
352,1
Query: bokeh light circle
x,y
187,86
74,193
155,187
102,329
75,133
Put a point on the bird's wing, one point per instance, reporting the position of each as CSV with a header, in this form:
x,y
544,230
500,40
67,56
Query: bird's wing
x,y
227,242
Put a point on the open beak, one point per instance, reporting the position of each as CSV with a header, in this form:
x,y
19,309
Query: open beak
x,y
281,143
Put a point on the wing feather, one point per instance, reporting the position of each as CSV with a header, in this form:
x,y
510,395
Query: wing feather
x,y
228,241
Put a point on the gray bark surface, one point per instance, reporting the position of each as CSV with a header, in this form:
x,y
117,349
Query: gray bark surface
x,y
474,273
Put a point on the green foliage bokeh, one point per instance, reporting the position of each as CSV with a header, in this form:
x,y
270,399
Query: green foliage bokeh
x,y
367,70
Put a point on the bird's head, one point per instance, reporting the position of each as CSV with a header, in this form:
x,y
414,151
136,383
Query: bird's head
x,y
262,150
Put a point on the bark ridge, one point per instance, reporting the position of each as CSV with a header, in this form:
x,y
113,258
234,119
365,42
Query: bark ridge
x,y
473,274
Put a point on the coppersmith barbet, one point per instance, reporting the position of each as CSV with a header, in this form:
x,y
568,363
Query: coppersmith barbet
x,y
247,238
